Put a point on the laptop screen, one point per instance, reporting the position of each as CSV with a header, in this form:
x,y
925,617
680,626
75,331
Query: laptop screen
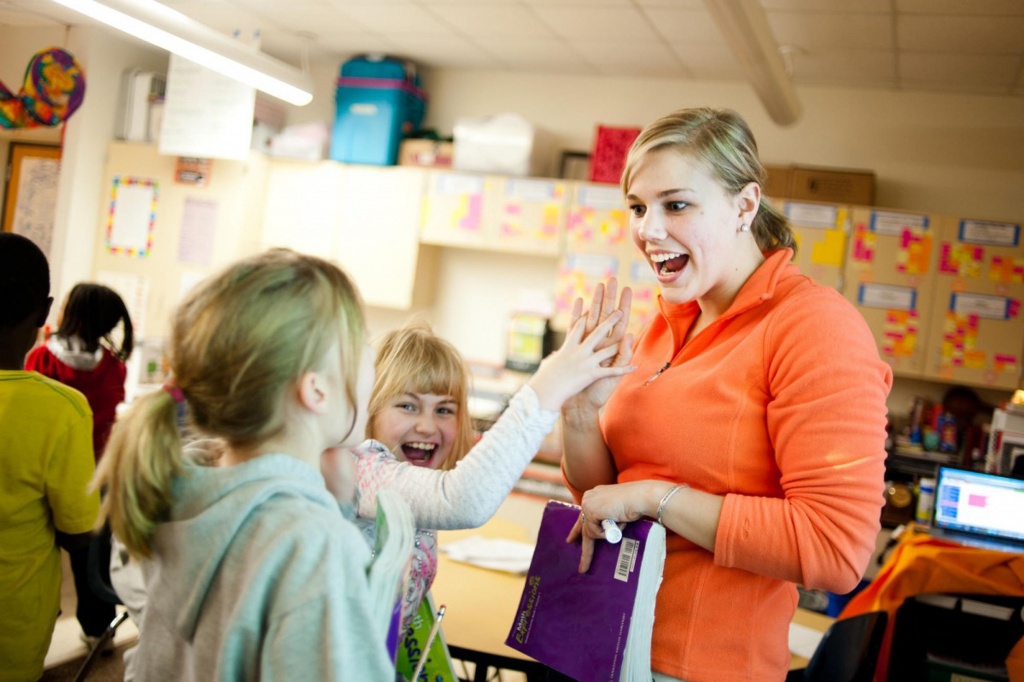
x,y
983,504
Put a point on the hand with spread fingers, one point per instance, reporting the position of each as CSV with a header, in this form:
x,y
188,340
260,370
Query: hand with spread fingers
x,y
602,307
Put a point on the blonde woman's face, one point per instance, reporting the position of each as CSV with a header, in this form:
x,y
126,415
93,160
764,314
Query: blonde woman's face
x,y
686,225
420,428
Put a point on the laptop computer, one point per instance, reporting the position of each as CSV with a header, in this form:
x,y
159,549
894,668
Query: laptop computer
x,y
980,510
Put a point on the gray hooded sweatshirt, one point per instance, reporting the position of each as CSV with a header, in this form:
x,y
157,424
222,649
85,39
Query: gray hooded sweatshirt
x,y
257,576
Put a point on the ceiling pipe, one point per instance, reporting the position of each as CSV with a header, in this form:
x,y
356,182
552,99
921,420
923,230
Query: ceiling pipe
x,y
745,28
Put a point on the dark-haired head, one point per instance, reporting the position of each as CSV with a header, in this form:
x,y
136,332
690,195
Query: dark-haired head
x,y
24,297
24,280
91,313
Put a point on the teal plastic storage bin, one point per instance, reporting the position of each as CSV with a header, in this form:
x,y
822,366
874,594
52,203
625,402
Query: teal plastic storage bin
x,y
378,100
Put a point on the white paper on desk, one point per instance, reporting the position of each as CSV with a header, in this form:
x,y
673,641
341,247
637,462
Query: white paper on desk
x,y
493,553
803,641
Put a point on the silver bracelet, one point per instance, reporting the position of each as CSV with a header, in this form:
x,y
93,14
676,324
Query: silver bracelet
x,y
667,497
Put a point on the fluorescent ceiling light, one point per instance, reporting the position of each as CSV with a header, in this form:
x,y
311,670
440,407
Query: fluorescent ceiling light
x,y
174,32
745,28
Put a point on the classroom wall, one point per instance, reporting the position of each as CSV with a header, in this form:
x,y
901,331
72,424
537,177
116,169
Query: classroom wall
x,y
103,56
932,152
935,152
17,45
947,153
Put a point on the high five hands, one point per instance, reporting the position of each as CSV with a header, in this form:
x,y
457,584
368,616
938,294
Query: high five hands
x,y
602,309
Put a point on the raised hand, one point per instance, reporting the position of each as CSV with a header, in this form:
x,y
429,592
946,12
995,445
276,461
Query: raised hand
x,y
582,360
601,309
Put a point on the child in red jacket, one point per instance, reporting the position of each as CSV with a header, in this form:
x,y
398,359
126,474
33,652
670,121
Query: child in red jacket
x,y
75,356
83,355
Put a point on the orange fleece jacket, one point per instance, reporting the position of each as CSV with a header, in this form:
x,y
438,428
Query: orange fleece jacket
x,y
779,405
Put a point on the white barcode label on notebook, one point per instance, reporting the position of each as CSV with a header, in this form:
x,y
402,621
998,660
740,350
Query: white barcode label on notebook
x,y
627,559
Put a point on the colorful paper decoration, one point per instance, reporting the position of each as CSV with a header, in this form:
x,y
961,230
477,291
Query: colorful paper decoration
x,y
53,89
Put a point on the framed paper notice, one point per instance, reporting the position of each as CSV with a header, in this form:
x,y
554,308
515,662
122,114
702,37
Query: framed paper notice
x,y
132,215
30,198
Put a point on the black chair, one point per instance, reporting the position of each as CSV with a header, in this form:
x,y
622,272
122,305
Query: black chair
x,y
848,652
99,581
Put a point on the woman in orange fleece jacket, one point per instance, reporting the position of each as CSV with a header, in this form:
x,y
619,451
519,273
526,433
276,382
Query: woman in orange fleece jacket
x,y
754,426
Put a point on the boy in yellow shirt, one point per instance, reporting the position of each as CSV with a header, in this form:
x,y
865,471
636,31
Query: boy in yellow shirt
x,y
46,462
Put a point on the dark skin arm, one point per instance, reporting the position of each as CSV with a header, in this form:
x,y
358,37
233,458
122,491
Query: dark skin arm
x,y
73,541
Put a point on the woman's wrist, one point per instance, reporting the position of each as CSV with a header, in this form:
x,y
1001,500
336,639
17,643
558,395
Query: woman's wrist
x,y
577,414
661,497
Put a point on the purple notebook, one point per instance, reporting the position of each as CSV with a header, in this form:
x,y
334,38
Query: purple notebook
x,y
585,625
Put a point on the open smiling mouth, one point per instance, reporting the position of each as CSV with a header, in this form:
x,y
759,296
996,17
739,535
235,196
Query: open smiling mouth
x,y
669,263
419,454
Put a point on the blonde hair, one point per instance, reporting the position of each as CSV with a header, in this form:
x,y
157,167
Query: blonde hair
x,y
413,359
721,139
237,341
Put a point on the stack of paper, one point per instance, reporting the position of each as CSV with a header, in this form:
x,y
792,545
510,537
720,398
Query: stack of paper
x,y
493,553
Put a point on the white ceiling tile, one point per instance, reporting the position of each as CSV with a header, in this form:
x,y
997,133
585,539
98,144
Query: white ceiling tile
x,y
835,31
989,35
650,59
13,16
678,26
711,62
410,20
846,6
224,17
581,3
839,68
954,69
674,4
268,6
596,23
962,7
468,3
444,52
355,43
488,21
320,20
552,54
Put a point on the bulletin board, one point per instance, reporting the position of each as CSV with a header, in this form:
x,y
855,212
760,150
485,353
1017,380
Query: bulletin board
x,y
30,194
890,266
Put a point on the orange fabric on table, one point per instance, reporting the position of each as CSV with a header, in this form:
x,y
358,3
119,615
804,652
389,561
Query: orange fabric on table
x,y
921,564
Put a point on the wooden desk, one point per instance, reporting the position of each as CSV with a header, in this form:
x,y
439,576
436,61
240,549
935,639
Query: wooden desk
x,y
482,603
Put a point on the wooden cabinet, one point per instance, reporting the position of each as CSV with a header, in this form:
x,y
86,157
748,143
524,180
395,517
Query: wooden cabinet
x,y
365,218
378,237
492,212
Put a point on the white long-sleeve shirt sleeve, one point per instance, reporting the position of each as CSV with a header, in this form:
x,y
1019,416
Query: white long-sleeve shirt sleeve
x,y
469,494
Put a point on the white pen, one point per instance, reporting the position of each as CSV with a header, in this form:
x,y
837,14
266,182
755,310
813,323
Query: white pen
x,y
611,531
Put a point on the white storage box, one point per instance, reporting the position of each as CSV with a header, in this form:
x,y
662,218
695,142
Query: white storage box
x,y
506,144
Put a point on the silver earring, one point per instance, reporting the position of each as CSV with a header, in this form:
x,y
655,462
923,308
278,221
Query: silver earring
x,y
744,228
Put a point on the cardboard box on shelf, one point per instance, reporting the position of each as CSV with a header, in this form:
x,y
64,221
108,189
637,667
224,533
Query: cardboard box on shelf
x,y
776,186
431,153
805,183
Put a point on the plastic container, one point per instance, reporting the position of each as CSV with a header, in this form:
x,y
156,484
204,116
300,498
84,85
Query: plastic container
x,y
505,144
378,100
925,500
